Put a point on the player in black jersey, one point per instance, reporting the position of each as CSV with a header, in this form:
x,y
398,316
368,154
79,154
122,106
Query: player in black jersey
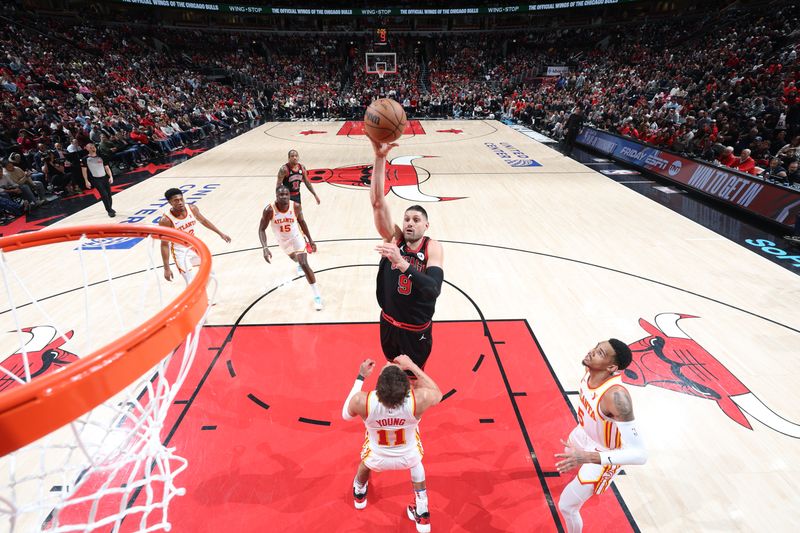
x,y
409,275
292,175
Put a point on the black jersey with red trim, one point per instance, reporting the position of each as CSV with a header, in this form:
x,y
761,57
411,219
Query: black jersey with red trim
x,y
293,180
397,295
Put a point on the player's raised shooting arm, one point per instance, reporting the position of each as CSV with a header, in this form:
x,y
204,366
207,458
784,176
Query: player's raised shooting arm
x,y
380,208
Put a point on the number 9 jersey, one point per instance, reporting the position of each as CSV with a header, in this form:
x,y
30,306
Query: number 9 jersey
x,y
397,295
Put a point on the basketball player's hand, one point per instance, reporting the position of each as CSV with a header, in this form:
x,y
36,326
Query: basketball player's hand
x,y
88,185
225,237
316,198
382,149
404,362
167,273
313,246
390,251
267,255
366,368
571,458
110,180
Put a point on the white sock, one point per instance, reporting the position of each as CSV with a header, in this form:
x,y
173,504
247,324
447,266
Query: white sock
x,y
358,487
314,289
421,499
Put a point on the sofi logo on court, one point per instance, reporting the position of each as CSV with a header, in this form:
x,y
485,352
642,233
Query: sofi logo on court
x,y
513,157
150,215
770,248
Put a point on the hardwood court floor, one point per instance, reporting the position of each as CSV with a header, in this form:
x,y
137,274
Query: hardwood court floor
x,y
530,236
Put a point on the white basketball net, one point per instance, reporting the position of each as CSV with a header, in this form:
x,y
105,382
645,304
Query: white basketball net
x,y
107,469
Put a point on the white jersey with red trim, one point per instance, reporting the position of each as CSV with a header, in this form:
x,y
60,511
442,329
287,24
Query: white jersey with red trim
x,y
285,225
392,432
185,224
598,428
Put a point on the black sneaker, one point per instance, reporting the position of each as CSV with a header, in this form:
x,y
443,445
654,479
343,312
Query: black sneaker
x,y
423,521
360,500
112,213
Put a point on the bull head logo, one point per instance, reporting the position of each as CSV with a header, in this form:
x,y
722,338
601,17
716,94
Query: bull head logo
x,y
44,353
670,359
402,178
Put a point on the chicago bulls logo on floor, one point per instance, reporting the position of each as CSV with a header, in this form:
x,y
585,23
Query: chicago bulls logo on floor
x,y
44,354
402,178
670,359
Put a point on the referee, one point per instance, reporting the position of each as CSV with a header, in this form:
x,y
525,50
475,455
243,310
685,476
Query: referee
x,y
97,174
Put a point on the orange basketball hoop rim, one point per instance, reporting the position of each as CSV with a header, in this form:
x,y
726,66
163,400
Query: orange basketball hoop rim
x,y
43,405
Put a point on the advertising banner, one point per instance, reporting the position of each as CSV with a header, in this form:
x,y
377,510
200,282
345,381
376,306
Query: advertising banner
x,y
755,196
353,11
556,71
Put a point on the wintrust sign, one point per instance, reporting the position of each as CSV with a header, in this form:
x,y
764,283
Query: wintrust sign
x,y
721,184
755,196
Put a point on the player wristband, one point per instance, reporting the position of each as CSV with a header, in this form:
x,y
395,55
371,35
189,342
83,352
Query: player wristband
x,y
360,377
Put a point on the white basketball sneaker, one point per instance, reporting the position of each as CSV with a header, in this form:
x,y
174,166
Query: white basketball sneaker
x,y
318,303
423,521
360,500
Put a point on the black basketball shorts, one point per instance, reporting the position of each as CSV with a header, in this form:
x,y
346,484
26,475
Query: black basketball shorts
x,y
397,341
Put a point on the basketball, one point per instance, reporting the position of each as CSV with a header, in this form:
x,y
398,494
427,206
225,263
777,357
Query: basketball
x,y
385,120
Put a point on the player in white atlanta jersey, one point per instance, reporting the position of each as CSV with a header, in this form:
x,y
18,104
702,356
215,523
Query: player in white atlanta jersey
x,y
287,222
606,437
184,218
391,414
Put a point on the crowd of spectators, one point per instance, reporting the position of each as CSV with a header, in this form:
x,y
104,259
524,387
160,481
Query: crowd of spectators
x,y
85,83
723,87
728,95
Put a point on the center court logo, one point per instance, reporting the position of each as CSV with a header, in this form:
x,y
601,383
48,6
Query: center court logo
x,y
149,215
402,178
513,157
